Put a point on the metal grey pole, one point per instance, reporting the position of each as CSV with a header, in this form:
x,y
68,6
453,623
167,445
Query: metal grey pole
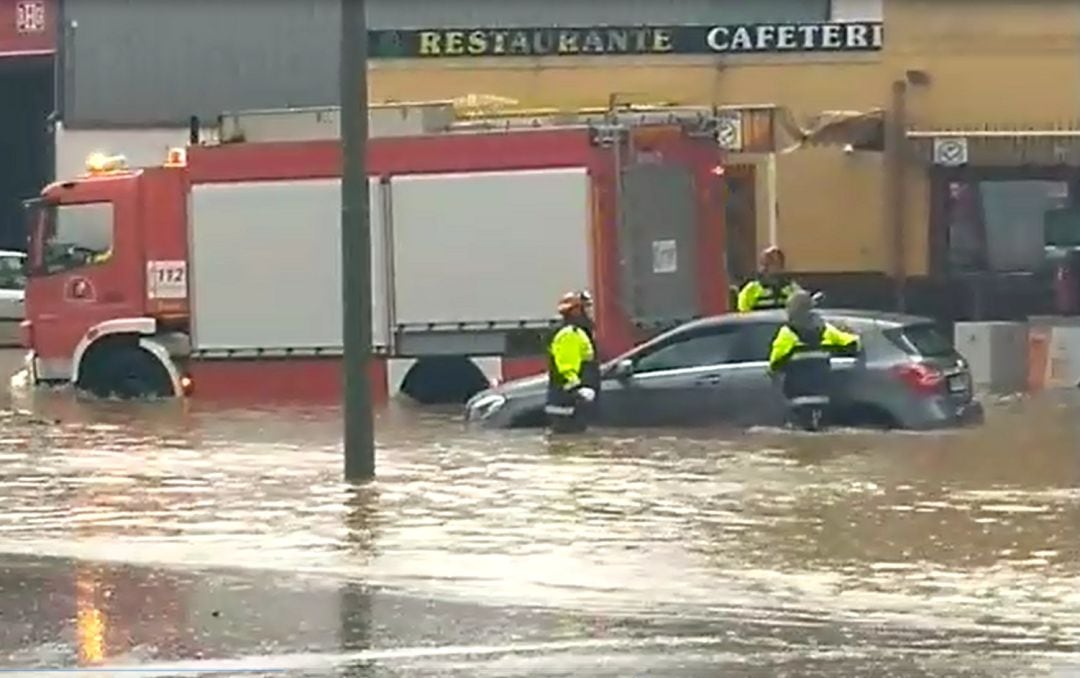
x,y
356,245
895,172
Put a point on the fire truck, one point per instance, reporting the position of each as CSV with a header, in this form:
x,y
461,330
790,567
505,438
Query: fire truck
x,y
217,274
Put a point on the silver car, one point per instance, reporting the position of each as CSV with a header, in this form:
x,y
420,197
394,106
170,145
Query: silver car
x,y
12,285
12,296
715,371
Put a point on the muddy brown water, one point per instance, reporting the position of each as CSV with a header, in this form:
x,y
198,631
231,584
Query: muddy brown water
x,y
972,532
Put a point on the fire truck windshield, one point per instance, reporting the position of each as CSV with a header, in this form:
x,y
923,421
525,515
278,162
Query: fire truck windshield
x,y
66,237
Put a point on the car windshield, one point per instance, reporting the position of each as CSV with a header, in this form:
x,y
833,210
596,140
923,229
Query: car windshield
x,y
12,272
923,339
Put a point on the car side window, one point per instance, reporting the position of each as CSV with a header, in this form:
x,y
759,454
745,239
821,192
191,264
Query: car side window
x,y
755,341
697,350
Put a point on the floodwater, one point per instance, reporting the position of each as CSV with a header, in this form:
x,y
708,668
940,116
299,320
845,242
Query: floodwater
x,y
849,553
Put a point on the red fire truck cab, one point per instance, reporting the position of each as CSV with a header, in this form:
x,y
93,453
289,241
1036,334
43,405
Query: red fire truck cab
x,y
217,273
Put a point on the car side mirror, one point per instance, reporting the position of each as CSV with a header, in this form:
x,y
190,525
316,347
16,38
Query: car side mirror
x,y
623,370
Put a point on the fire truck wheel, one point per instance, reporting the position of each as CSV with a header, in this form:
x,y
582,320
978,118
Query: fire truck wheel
x,y
127,372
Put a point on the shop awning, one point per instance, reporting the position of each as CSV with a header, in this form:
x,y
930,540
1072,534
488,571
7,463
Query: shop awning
x,y
1047,145
862,130
1002,147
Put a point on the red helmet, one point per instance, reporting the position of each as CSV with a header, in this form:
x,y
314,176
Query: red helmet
x,y
574,301
772,254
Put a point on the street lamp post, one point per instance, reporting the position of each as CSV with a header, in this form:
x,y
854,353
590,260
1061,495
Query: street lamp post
x,y
355,245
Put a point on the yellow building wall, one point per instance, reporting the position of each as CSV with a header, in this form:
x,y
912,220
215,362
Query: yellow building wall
x,y
996,62
1014,62
1011,64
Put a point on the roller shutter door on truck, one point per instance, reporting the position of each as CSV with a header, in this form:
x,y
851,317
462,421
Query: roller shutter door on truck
x,y
488,247
266,260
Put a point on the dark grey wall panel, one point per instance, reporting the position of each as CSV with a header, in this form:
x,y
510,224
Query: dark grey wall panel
x,y
159,61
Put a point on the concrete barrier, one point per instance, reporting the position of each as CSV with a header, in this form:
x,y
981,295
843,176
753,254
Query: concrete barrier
x,y
1053,352
997,353
1007,357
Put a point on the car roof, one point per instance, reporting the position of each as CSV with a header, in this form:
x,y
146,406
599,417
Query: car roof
x,y
841,314
885,317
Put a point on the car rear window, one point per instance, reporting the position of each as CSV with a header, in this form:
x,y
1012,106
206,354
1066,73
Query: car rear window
x,y
923,339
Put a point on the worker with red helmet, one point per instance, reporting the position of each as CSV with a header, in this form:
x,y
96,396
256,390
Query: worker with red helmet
x,y
570,354
772,287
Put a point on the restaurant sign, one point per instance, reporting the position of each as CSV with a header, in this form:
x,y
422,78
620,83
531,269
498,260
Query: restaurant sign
x,y
855,36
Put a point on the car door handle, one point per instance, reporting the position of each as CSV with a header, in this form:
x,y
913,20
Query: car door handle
x,y
710,380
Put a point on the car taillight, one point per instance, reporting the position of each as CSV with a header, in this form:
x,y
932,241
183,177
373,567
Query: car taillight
x,y
922,378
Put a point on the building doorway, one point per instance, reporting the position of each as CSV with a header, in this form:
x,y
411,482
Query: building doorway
x,y
740,217
997,235
26,90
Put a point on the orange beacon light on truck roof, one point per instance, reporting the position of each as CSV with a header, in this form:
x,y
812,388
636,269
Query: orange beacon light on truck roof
x,y
177,157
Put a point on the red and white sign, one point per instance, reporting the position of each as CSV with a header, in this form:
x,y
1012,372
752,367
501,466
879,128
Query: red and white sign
x,y
166,279
27,28
30,16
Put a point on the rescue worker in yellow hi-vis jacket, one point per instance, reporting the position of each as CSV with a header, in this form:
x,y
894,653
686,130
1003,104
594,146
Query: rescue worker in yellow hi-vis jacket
x,y
570,353
801,351
772,287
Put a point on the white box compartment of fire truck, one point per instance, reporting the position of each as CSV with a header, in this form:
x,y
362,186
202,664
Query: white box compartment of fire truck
x,y
488,248
266,266
450,252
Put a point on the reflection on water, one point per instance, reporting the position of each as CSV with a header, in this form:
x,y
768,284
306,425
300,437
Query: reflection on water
x,y
971,531
90,622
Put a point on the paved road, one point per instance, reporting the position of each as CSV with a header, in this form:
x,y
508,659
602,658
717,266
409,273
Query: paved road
x,y
59,613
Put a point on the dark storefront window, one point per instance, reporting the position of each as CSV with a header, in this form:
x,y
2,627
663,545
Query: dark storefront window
x,y
1009,226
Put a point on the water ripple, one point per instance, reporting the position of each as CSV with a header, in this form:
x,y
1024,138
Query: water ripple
x,y
971,529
